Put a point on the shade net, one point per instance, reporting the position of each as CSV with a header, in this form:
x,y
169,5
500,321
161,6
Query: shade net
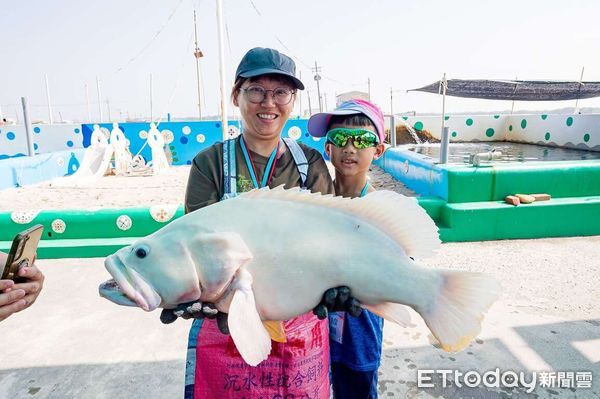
x,y
521,90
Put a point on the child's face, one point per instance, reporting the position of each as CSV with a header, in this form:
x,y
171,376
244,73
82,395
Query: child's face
x,y
349,161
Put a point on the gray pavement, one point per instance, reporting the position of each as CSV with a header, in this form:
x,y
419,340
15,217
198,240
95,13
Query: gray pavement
x,y
73,344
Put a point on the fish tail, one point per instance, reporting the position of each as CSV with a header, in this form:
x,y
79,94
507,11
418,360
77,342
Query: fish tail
x,y
454,315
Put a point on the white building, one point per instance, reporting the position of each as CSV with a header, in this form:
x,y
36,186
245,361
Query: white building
x,y
350,95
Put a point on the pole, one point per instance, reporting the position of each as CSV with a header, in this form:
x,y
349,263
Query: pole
x,y
309,106
87,100
369,88
197,56
99,97
392,130
28,128
325,98
444,145
48,98
391,102
108,108
316,70
512,106
1,115
151,105
576,110
222,70
444,133
444,86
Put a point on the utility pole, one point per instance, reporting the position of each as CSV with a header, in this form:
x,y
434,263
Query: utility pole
x,y
391,101
369,88
316,70
108,107
325,98
48,99
309,106
99,97
198,54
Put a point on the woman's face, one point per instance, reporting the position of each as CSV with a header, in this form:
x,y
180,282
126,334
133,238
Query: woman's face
x,y
264,120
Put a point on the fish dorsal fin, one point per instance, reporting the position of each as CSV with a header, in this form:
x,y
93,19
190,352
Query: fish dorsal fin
x,y
398,216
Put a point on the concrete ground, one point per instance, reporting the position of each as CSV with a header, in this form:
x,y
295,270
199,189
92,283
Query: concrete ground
x,y
73,344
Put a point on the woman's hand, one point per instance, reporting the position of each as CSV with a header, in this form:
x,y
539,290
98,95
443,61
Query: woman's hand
x,y
15,297
32,284
11,300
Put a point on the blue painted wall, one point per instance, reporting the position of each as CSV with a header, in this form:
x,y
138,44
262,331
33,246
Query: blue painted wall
x,y
416,171
189,138
186,140
21,171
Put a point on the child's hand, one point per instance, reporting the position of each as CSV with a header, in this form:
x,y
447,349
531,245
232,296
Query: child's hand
x,y
196,310
337,300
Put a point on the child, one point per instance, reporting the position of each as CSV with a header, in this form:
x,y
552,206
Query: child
x,y
355,134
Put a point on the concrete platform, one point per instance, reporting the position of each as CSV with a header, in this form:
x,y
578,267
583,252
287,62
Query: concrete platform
x,y
73,344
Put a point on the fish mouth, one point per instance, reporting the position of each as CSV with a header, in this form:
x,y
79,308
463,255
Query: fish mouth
x,y
128,287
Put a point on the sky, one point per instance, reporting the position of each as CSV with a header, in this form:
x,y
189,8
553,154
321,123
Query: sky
x,y
394,44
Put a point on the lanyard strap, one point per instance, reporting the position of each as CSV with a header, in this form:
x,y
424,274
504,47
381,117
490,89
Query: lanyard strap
x,y
364,190
250,164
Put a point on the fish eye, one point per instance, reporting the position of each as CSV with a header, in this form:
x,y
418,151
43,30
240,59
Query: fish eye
x,y
142,251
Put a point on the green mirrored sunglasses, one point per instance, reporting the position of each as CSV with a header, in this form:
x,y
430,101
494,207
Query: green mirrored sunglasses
x,y
361,138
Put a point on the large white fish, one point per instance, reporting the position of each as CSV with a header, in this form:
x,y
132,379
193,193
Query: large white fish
x,y
268,255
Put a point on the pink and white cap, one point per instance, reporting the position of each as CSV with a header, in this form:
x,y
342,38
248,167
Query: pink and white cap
x,y
317,124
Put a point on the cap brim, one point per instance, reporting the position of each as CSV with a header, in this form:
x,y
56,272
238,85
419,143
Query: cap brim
x,y
266,71
317,124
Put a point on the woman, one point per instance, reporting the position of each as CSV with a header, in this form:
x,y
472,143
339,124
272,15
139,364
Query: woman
x,y
265,92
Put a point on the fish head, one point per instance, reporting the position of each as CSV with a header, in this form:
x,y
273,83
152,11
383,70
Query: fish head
x,y
174,266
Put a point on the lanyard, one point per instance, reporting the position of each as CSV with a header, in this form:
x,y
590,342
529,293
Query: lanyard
x,y
364,190
250,164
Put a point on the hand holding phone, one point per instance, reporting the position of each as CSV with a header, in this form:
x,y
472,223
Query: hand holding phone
x,y
22,252
16,296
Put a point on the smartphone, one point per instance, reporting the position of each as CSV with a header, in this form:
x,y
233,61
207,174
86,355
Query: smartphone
x,y
22,252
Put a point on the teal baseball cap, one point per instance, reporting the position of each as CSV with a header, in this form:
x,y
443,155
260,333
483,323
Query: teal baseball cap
x,y
263,61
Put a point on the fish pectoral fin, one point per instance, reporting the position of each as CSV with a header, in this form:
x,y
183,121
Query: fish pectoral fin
x,y
245,326
393,312
218,256
276,330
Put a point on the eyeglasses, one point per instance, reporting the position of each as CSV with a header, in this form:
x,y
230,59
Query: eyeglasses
x,y
280,95
361,138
